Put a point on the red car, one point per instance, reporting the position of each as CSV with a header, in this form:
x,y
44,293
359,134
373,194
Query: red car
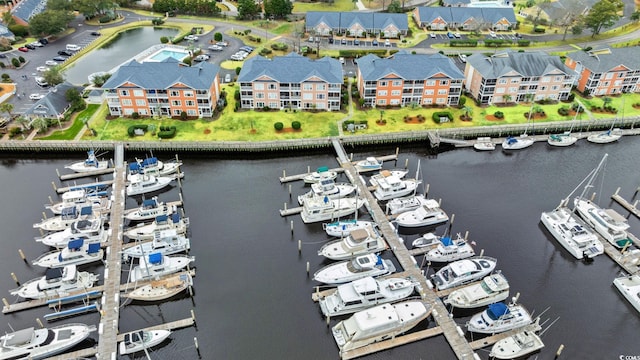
x,y
23,49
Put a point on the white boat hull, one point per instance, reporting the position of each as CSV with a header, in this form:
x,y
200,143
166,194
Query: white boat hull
x,y
38,348
629,287
343,272
484,144
462,272
517,143
493,288
408,187
169,265
516,346
562,140
603,223
316,210
427,215
147,185
150,339
482,323
605,137
571,234
344,228
162,289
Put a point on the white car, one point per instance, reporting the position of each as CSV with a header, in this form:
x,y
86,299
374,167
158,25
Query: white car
x,y
236,57
37,44
36,96
463,58
215,48
492,34
201,57
191,37
42,69
433,35
51,63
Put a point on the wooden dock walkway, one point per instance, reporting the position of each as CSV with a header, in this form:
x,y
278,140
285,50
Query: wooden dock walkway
x,y
625,204
391,343
490,340
178,324
64,189
456,340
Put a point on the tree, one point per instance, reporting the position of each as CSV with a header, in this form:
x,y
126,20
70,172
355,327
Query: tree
x,y
277,8
247,9
468,111
40,123
91,8
603,14
50,22
394,7
8,19
569,15
24,122
7,108
238,69
217,36
507,98
59,5
54,76
635,16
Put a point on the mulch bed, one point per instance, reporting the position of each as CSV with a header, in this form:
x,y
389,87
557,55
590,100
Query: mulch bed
x,y
492,118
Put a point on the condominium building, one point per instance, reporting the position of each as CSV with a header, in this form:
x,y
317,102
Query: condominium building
x,y
356,23
606,71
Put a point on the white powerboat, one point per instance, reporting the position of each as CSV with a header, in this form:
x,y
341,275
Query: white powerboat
x,y
484,144
368,164
607,222
571,234
141,340
378,323
629,287
400,174
358,242
354,269
150,209
91,163
153,166
67,217
517,143
606,137
343,228
144,231
562,140
88,230
404,204
56,282
329,188
363,293
464,271
162,289
392,187
42,343
322,208
143,184
428,214
499,317
491,289
517,345
156,264
165,242
80,198
428,239
450,250
76,253
322,173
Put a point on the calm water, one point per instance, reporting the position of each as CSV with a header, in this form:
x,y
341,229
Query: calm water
x,y
252,295
128,44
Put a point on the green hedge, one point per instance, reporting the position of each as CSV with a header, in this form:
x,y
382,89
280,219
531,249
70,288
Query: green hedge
x,y
167,132
131,130
359,53
524,42
496,42
465,42
438,114
346,123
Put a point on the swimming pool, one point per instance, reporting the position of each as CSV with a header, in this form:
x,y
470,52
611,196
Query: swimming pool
x,y
167,53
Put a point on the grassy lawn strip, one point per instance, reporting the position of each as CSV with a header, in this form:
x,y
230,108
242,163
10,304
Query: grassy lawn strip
x,y
78,124
337,5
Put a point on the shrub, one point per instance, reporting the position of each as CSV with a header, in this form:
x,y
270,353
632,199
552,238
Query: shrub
x,y
135,115
2,65
132,129
564,111
524,42
463,42
164,39
105,19
571,97
278,126
499,114
167,132
265,51
21,59
296,125
183,115
437,115
539,30
217,36
157,21
15,62
5,77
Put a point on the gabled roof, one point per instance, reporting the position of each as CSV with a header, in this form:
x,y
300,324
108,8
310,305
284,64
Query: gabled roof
x,y
5,32
533,63
462,14
163,74
291,68
345,20
599,61
407,66
559,9
54,103
28,8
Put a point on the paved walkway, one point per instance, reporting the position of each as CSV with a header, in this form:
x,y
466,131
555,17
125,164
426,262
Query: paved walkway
x,y
350,104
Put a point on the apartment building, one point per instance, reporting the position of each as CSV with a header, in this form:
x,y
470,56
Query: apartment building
x,y
408,79
606,71
359,24
511,76
165,88
291,82
465,18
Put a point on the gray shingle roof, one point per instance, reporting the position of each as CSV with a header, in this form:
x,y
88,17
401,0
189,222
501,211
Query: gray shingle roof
x,y
342,20
461,14
292,68
54,103
558,9
602,62
407,66
163,74
534,63
27,8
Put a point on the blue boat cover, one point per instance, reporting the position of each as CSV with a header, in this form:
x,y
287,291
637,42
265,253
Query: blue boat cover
x,y
326,199
497,310
511,140
379,262
149,161
161,218
323,169
134,166
86,210
155,258
69,212
93,248
175,217
75,244
446,241
149,204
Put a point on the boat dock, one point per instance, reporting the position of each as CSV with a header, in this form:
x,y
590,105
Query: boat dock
x,y
490,340
97,185
625,204
391,343
79,175
284,178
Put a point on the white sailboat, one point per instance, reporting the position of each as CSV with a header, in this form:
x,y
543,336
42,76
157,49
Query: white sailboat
x,y
521,142
609,136
564,139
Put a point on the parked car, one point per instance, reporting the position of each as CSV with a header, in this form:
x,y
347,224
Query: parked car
x,y
517,35
450,35
30,47
191,37
50,63
201,57
310,38
36,44
42,69
41,81
64,53
433,35
331,40
343,41
73,47
247,49
36,96
215,48
493,34
3,56
23,49
227,78
462,58
236,57
222,43
95,33
457,35
60,58
387,42
356,42
43,41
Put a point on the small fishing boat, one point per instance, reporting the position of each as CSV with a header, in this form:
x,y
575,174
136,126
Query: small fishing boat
x,y
67,217
322,173
629,287
400,174
77,252
517,345
450,250
404,204
484,144
464,271
428,239
429,214
378,323
329,188
392,187
343,228
499,317
156,264
89,231
165,242
491,289
162,289
143,184
80,198
150,209
144,231
140,340
354,269
91,163
368,164
322,208
358,242
56,282
31,343
363,293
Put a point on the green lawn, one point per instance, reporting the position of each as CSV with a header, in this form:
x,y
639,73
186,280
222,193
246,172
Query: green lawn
x,y
337,5
78,124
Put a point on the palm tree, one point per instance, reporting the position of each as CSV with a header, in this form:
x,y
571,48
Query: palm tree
x,y
606,101
528,97
41,124
8,108
507,98
24,122
468,112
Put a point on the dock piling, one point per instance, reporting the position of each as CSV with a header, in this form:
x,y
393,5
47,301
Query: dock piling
x,y
291,227
15,278
466,235
55,188
426,190
284,173
39,323
593,196
24,258
285,206
559,351
308,169
193,316
481,252
618,189
44,215
453,217
289,191
50,200
5,302
406,163
328,320
307,268
299,246
58,172
195,341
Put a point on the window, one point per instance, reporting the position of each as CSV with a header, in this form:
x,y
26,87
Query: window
x,y
395,92
258,86
554,87
441,101
558,78
500,90
428,101
259,104
176,103
382,93
191,112
272,86
502,81
431,83
189,102
272,96
187,93
395,101
307,96
609,76
382,102
320,105
320,96
124,92
259,95
142,112
382,83
396,83
513,90
141,102
514,80
128,111
177,111
126,102
273,105
138,93
442,92
307,87
444,82
546,79
429,92
321,87
174,93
